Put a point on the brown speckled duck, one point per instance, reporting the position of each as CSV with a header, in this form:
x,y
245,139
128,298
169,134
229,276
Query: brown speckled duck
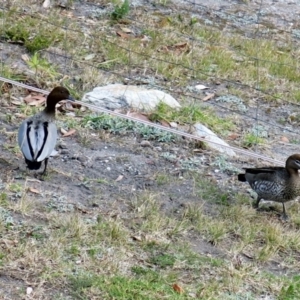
x,y
280,184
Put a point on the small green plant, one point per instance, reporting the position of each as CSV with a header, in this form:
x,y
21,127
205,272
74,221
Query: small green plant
x,y
15,187
121,126
225,166
21,32
210,192
193,21
42,67
17,33
163,260
191,114
3,199
162,179
291,291
120,11
250,140
39,42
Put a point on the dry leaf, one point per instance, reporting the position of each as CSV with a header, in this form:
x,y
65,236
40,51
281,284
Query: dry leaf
x,y
33,190
20,115
120,177
284,139
63,131
25,57
126,30
164,123
180,45
145,38
70,132
137,238
75,104
163,49
37,102
33,98
17,103
28,98
69,106
233,136
177,288
198,150
139,116
71,114
81,209
122,34
39,97
208,97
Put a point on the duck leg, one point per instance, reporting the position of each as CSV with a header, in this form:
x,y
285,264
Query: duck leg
x,y
284,215
45,168
255,205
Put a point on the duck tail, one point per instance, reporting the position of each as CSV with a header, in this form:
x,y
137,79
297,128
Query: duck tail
x,y
242,177
33,165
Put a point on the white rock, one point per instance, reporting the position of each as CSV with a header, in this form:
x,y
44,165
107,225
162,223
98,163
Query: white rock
x,y
210,136
201,87
29,290
146,144
115,96
46,3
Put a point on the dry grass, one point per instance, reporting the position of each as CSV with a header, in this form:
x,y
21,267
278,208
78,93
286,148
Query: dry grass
x,y
143,252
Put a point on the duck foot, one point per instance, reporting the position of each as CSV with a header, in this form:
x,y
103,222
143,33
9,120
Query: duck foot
x,y
39,176
43,174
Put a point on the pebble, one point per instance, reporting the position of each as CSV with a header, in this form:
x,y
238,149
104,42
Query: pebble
x,y
173,124
64,152
201,87
146,144
29,290
62,146
174,150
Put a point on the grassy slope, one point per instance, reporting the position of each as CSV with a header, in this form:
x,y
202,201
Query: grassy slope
x,y
142,254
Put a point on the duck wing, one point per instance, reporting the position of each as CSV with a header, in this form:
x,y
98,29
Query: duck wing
x,y
266,176
37,139
266,170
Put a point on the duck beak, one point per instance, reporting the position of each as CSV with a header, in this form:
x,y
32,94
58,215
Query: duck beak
x,y
71,98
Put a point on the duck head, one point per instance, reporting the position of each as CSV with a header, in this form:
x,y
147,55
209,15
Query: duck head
x,y
59,93
293,162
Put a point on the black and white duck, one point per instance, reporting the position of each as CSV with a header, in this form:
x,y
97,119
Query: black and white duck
x,y
37,135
